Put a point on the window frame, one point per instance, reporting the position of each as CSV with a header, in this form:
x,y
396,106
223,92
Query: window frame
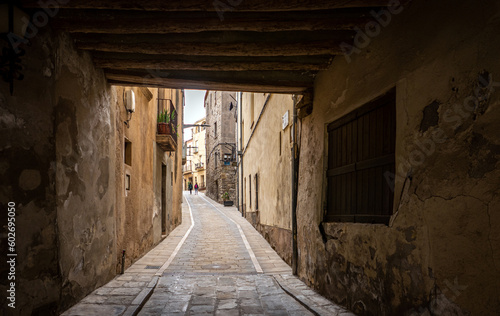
x,y
362,168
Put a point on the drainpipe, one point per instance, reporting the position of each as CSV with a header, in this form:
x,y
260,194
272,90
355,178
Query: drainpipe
x,y
294,189
240,152
238,104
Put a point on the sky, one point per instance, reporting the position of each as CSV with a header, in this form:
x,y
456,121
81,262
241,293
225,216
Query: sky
x,y
194,109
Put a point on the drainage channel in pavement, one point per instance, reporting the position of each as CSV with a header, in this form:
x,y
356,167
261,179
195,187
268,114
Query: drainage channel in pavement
x,y
221,294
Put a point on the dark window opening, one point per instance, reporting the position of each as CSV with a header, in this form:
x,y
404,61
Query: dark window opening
x,y
361,147
128,152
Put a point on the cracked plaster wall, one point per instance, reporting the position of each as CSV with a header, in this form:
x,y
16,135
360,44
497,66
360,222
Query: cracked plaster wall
x,y
440,253
85,186
56,163
272,218
61,162
138,211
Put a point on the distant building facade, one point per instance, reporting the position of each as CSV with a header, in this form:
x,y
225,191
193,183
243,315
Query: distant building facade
x,y
194,169
221,144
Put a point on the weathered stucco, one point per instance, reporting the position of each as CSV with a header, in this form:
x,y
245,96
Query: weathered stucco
x,y
62,163
139,210
84,130
440,251
57,133
262,133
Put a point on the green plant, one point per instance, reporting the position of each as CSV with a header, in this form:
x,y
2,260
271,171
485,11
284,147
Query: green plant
x,y
225,196
164,117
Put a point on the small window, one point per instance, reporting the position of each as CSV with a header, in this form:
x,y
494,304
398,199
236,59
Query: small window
x,y
171,178
361,150
215,129
128,152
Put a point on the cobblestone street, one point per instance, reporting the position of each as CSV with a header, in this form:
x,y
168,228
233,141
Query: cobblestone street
x,y
215,263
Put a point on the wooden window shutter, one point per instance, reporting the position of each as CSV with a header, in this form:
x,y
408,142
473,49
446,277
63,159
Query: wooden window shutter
x,y
361,148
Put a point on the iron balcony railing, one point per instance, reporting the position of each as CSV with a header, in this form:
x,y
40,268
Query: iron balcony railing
x,y
188,167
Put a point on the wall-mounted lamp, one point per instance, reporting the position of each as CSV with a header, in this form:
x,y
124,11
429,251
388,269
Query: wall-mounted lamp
x,y
13,25
129,102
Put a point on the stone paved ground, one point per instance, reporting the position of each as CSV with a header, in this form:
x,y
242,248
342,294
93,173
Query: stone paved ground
x,y
218,265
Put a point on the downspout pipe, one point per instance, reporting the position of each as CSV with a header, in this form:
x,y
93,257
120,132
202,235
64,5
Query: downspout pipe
x,y
240,151
237,141
294,180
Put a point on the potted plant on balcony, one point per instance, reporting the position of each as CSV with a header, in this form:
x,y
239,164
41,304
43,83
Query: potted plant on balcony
x,y
225,197
164,121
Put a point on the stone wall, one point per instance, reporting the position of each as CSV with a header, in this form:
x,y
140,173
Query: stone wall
x,y
440,253
57,136
62,163
220,178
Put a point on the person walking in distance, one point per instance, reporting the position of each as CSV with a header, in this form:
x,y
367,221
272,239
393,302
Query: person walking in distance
x,y
190,187
196,188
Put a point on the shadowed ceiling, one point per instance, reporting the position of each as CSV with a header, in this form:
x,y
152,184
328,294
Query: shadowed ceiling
x,y
239,45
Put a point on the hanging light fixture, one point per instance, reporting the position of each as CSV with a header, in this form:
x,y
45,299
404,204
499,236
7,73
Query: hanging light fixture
x,y
13,24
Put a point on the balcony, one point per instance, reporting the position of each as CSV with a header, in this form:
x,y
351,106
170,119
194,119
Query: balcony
x,y
166,131
166,137
188,168
199,166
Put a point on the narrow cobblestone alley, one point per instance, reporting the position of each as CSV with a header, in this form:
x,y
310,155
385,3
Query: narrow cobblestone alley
x,y
215,263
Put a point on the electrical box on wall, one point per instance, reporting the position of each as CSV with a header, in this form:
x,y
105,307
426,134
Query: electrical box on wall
x,y
130,101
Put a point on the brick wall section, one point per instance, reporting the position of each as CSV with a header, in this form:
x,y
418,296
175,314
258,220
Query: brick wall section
x,y
220,140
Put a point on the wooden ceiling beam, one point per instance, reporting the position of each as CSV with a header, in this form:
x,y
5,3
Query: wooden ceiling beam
x,y
206,63
267,78
218,37
214,6
129,22
130,80
216,49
